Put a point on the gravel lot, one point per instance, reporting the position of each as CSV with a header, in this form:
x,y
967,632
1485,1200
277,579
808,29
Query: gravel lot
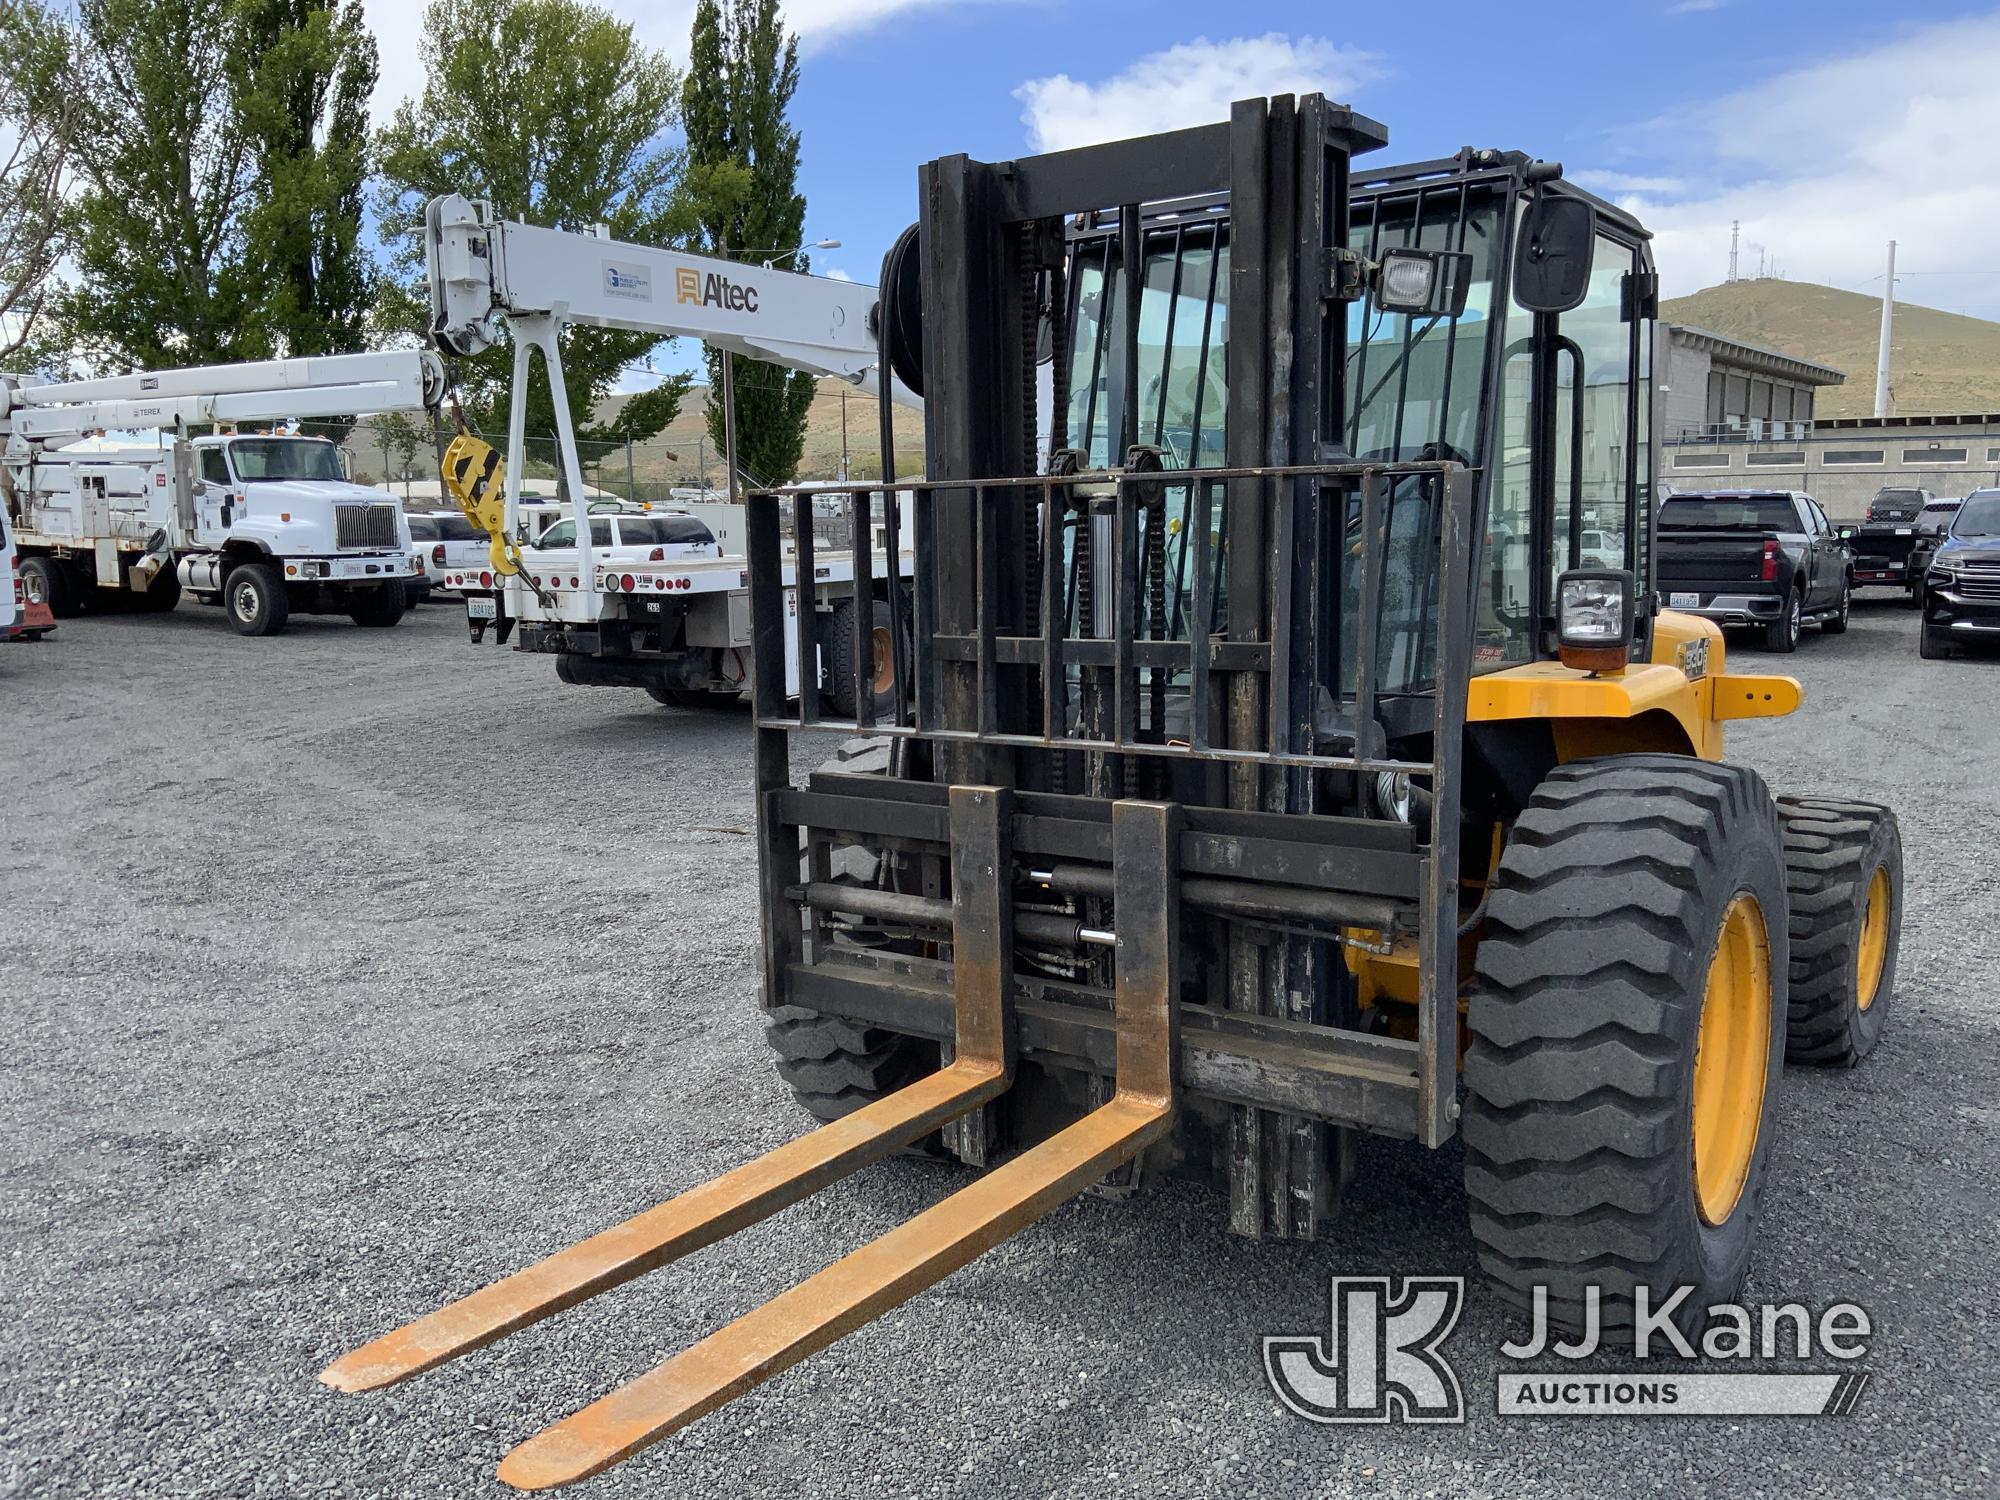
x,y
348,970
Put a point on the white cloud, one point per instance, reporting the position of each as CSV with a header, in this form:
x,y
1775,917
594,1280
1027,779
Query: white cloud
x,y
1695,7
1625,182
833,273
1193,83
1823,165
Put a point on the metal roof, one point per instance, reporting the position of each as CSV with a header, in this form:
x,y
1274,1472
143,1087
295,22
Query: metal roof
x,y
1756,356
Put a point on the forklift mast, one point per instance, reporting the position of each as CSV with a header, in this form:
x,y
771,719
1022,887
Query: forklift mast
x,y
1259,699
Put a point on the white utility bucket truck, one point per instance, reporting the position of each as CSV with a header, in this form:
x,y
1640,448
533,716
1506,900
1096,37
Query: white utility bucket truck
x,y
266,524
677,627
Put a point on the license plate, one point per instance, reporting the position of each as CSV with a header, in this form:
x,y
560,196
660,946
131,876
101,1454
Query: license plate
x,y
650,606
482,609
1905,530
1683,601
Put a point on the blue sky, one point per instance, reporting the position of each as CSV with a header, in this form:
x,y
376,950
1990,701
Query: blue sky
x,y
1826,128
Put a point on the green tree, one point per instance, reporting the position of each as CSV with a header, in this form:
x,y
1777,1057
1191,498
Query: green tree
x,y
557,114
165,172
743,68
221,151
37,121
396,439
303,72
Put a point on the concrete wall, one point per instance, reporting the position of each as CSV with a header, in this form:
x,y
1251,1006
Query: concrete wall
x,y
1843,488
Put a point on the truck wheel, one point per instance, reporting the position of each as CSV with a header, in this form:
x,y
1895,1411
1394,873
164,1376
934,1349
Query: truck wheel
x,y
255,598
162,596
1782,634
380,608
46,581
1844,874
839,643
1626,1031
1932,645
835,1066
1836,623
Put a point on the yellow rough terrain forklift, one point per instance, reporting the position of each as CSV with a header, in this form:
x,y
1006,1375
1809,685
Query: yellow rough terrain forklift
x,y
1263,764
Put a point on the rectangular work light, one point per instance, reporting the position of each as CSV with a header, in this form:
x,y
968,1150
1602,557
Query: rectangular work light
x,y
1424,283
1594,618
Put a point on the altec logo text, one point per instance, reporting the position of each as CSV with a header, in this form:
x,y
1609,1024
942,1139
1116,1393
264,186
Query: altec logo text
x,y
714,290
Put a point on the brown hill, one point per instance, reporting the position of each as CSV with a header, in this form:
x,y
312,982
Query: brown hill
x,y
1939,361
680,451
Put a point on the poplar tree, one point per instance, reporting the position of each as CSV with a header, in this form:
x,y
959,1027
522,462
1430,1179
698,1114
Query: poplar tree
x,y
742,183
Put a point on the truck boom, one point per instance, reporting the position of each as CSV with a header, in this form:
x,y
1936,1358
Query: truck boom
x,y
56,412
492,278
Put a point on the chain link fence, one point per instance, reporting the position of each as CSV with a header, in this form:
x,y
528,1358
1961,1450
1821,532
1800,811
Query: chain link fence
x,y
401,452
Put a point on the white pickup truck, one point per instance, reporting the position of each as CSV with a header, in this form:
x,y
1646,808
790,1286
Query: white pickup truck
x,y
621,534
13,594
448,547
667,607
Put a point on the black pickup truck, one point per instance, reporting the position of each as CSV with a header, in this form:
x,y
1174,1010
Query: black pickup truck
x,y
1768,558
1887,546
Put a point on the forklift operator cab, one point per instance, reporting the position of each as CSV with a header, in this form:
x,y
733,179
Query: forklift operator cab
x,y
1418,387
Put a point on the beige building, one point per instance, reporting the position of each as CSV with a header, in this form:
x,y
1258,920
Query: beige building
x,y
1738,416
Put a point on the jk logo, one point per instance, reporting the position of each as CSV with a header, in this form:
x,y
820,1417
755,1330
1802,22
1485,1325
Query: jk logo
x,y
1380,1360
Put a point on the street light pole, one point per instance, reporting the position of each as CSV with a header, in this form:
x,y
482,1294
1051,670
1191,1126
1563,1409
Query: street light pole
x,y
772,264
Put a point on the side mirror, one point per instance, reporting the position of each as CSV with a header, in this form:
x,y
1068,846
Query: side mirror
x,y
1552,256
1847,533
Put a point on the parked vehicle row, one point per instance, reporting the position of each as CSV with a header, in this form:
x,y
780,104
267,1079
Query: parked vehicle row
x,y
1769,559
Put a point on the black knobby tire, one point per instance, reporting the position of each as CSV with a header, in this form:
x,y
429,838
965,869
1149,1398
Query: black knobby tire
x,y
163,595
53,582
254,598
1835,852
1782,634
1836,623
835,1066
1610,902
838,641
382,608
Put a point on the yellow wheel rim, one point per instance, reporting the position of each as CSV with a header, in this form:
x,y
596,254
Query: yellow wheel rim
x,y
1874,949
1732,1060
884,651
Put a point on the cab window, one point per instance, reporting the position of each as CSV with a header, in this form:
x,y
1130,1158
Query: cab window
x,y
561,534
214,466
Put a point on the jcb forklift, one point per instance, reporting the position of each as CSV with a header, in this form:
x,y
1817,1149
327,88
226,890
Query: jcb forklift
x,y
1264,765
